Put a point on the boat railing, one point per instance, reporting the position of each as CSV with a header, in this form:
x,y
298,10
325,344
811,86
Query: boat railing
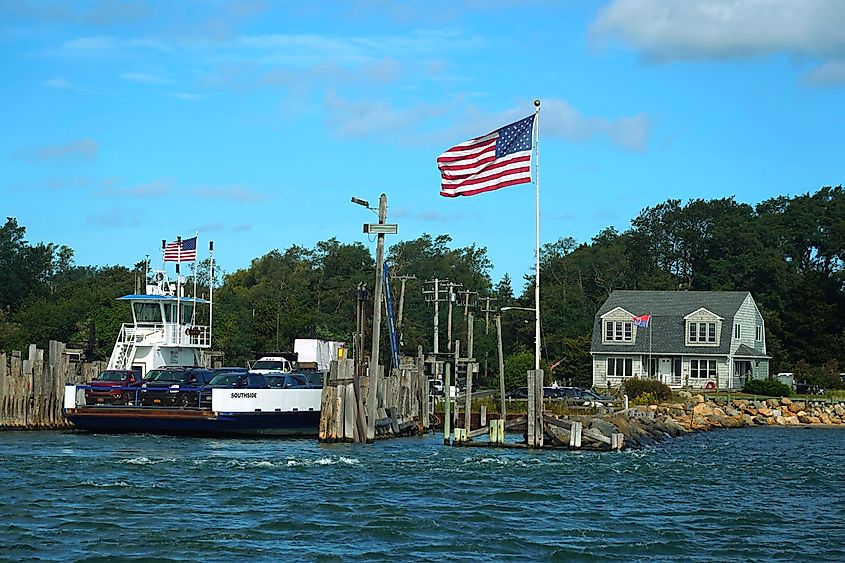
x,y
166,334
136,396
188,335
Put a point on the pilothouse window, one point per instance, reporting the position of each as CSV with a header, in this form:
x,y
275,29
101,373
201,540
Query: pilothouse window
x,y
147,313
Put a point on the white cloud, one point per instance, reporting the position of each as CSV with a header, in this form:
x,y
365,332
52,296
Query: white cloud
x,y
114,219
666,30
156,188
829,74
426,215
143,78
232,193
372,117
82,149
64,84
187,96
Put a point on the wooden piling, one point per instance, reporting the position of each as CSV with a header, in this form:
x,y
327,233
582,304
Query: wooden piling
x,y
575,435
447,404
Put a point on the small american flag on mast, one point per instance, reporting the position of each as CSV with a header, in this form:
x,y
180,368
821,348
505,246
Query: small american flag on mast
x,y
187,253
496,160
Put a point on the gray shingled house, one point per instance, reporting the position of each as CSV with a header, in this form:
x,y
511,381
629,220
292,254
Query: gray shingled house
x,y
694,339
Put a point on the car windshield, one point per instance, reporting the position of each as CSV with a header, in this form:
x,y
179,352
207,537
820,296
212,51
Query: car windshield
x,y
269,364
225,379
166,375
112,376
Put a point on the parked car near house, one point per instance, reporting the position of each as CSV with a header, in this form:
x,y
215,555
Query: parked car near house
x,y
113,386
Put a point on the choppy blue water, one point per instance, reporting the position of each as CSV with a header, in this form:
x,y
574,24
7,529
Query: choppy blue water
x,y
748,494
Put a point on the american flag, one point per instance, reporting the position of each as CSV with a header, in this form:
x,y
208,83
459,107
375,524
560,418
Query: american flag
x,y
496,160
188,253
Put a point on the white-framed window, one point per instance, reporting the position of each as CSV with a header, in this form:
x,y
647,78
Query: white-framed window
x,y
737,331
620,367
618,331
759,334
701,332
702,369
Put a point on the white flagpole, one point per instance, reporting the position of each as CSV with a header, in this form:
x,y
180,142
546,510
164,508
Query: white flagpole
x,y
196,248
537,249
210,290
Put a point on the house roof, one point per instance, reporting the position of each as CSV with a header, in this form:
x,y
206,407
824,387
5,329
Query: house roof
x,y
748,352
666,332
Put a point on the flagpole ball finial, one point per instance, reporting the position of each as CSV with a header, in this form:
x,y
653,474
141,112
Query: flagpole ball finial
x,y
537,103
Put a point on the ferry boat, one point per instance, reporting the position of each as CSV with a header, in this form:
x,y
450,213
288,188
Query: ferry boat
x,y
164,333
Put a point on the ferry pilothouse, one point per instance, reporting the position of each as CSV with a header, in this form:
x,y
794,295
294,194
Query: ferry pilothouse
x,y
163,331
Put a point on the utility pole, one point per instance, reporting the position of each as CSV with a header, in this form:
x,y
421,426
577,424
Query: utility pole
x,y
501,365
402,279
486,310
433,295
452,286
466,294
374,364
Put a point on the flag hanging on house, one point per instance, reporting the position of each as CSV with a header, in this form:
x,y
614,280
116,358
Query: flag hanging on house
x,y
642,320
496,160
187,252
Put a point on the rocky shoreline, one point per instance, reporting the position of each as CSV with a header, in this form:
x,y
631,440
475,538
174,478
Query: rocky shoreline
x,y
648,424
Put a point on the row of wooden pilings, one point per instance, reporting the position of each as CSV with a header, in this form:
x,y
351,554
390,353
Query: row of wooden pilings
x,y
32,388
402,402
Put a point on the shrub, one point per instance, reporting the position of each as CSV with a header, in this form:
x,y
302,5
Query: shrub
x,y
645,399
769,387
636,387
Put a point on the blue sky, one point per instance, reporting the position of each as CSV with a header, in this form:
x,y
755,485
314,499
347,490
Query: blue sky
x,y
125,123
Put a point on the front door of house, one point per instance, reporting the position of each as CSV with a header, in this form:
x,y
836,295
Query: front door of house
x,y
664,370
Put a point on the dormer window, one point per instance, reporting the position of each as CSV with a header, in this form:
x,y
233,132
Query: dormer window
x,y
618,331
701,332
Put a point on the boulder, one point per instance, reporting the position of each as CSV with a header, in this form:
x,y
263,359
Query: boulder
x,y
702,410
697,398
748,420
730,411
795,407
839,409
783,401
603,426
792,420
673,428
779,420
764,411
761,420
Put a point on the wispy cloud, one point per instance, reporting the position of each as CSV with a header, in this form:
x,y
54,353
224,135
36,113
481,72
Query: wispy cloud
x,y
99,13
231,193
144,78
827,75
104,46
113,218
84,149
418,123
667,30
187,96
427,215
156,188
64,84
347,118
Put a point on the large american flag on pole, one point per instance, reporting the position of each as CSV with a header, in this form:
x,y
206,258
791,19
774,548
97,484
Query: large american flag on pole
x,y
187,252
496,160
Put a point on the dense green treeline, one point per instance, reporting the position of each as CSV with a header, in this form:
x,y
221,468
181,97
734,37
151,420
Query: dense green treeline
x,y
788,251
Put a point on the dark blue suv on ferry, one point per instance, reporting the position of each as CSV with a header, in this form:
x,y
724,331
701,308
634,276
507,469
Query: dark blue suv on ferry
x,y
174,386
